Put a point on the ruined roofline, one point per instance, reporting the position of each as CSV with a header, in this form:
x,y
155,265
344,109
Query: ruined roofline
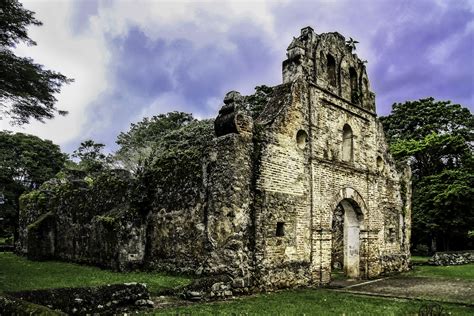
x,y
328,60
326,63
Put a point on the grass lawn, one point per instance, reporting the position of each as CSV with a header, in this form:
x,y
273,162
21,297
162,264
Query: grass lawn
x,y
464,272
17,273
419,259
310,302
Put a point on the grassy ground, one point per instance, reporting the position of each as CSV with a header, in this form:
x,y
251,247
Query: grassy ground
x,y
420,269
338,275
419,259
463,272
17,273
310,302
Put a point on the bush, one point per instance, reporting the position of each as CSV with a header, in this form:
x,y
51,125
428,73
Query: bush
x,y
421,250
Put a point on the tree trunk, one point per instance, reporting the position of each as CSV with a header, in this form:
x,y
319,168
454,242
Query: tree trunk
x,y
433,244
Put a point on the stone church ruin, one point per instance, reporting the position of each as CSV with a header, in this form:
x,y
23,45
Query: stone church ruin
x,y
283,197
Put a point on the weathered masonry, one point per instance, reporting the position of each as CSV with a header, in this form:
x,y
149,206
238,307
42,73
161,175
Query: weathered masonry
x,y
327,194
288,197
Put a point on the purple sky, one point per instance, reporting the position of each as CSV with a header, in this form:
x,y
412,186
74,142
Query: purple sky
x,y
133,59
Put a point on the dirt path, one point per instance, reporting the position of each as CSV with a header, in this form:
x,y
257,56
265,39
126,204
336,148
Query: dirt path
x,y
445,290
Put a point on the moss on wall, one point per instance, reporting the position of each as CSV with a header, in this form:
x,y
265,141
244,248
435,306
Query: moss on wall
x,y
14,306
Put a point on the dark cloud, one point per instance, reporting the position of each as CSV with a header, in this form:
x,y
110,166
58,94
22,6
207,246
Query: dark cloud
x,y
408,67
143,70
402,37
415,49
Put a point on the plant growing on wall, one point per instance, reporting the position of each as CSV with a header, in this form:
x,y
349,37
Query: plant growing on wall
x,y
137,143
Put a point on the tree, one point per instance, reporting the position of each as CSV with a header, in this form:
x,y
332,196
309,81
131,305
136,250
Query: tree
x,y
443,207
175,165
26,161
418,119
436,137
136,144
92,159
26,88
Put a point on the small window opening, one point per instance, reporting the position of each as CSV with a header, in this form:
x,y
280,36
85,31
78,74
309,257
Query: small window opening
x,y
301,139
347,143
280,229
391,234
355,97
331,62
379,163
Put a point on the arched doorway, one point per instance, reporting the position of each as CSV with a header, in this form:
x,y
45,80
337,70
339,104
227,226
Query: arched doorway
x,y
347,223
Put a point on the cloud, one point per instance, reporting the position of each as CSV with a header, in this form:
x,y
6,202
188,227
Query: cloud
x,y
82,57
139,58
163,75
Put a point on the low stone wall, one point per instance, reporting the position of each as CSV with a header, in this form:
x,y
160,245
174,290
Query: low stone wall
x,y
209,288
89,300
451,258
13,306
394,263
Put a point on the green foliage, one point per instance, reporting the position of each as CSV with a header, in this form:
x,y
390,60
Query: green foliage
x,y
418,119
36,197
106,219
26,161
136,144
433,153
18,274
26,89
104,193
92,159
176,165
443,203
257,101
436,137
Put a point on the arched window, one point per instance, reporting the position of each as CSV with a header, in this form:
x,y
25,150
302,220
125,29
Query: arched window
x,y
331,62
347,143
354,85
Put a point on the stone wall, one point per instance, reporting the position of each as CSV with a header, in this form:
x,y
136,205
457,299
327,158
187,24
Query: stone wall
x,y
13,306
305,171
177,185
451,258
107,299
79,220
